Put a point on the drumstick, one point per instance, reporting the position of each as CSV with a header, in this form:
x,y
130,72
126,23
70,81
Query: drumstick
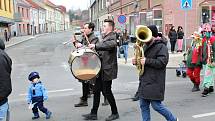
x,y
87,39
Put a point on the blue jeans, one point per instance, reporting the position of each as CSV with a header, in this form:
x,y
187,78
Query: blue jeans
x,y
3,111
118,51
157,106
125,48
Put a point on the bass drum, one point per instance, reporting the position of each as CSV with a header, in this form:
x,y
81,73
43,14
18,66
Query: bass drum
x,y
84,64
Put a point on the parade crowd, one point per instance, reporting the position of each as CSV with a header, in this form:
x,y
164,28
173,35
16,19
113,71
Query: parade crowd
x,y
151,90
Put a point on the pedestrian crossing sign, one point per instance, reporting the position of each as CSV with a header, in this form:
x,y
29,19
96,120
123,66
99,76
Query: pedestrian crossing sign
x,y
186,4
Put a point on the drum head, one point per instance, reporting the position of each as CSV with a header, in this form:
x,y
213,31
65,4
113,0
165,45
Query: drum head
x,y
85,65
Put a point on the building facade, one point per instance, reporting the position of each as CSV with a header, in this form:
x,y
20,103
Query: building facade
x,y
6,16
50,16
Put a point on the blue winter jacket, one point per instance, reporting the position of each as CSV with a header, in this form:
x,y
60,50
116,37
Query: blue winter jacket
x,y
40,91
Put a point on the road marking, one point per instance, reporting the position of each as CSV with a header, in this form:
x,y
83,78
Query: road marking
x,y
167,83
52,91
204,115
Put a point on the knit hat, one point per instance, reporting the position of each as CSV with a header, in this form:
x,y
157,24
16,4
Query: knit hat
x,y
154,30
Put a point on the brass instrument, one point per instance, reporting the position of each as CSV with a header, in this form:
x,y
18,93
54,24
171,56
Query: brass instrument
x,y
143,35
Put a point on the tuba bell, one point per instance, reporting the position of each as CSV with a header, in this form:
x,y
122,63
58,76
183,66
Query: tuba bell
x,y
143,35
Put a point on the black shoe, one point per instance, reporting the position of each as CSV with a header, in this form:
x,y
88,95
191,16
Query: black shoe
x,y
81,104
135,98
105,103
211,89
195,88
36,116
90,116
205,92
112,117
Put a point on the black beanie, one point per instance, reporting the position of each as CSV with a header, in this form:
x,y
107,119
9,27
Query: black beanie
x,y
154,30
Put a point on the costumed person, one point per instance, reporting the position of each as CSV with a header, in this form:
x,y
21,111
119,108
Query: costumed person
x,y
37,94
208,59
194,61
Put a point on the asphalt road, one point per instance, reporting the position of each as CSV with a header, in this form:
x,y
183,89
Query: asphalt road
x,y
49,55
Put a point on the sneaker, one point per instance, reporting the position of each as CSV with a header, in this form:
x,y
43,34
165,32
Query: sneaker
x,y
48,115
112,117
81,104
211,89
90,116
36,116
205,92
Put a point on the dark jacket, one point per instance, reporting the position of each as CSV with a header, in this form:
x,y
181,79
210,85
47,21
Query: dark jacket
x,y
5,74
152,82
92,39
180,34
172,35
107,50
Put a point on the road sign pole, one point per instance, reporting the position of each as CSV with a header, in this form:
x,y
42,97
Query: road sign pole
x,y
185,31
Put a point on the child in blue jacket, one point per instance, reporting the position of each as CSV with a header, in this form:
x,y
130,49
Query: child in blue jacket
x,y
36,95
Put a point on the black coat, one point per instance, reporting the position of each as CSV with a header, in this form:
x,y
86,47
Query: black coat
x,y
107,50
180,34
152,82
172,35
5,74
91,38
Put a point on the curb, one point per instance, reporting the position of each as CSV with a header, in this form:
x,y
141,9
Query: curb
x,y
30,38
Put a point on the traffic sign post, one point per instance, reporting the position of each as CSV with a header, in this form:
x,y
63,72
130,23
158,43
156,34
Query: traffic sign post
x,y
186,5
122,19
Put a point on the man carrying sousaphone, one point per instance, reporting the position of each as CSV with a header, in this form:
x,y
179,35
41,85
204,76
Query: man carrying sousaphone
x,y
88,37
152,80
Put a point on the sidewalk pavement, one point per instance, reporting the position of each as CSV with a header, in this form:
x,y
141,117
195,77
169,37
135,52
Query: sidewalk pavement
x,y
174,59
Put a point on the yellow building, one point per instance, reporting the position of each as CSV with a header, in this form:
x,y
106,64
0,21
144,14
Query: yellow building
x,y
6,16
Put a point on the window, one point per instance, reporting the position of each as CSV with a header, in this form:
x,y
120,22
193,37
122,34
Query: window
x,y
18,9
5,5
0,4
22,12
157,14
9,6
205,14
27,12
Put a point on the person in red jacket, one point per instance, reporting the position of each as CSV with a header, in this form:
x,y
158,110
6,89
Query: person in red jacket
x,y
194,63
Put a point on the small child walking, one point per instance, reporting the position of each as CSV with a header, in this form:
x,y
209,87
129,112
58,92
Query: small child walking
x,y
37,94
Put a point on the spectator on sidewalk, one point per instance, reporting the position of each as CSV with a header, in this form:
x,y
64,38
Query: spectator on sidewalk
x,y
152,81
180,35
173,37
6,35
125,41
5,81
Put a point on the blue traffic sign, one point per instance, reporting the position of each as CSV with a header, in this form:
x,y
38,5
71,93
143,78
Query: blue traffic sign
x,y
122,19
186,4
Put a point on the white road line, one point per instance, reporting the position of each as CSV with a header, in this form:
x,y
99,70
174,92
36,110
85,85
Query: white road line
x,y
52,91
204,115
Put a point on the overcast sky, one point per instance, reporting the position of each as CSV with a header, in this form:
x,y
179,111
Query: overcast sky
x,y
74,4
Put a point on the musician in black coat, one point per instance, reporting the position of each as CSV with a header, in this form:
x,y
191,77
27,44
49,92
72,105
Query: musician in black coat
x,y
107,50
88,30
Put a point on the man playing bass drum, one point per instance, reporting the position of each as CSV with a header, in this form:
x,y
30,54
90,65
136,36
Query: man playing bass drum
x,y
88,37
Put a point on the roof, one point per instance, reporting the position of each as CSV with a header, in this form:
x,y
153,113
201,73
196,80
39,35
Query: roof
x,y
23,3
62,8
33,4
49,3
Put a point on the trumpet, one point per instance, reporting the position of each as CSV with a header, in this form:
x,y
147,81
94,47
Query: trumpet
x,y
143,35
